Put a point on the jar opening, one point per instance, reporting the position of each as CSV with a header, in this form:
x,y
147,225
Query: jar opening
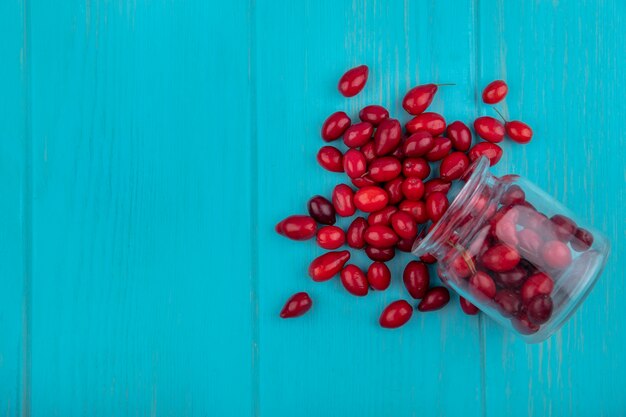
x,y
439,233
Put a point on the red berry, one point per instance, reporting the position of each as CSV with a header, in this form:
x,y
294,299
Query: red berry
x,y
379,276
460,136
509,303
467,307
523,325
416,279
384,168
330,237
363,181
511,279
358,134
539,309
330,158
489,128
500,258
387,137
370,198
382,216
405,245
380,254
404,225
564,227
354,163
325,266
418,144
415,167
441,148
433,123
495,92
394,190
419,98
556,254
343,200
435,299
436,185
368,151
354,280
490,150
380,236
296,305
335,125
373,114
321,210
352,82
482,285
297,227
436,206
396,314
453,166
520,132
582,240
417,209
513,195
529,242
413,188
356,232
536,284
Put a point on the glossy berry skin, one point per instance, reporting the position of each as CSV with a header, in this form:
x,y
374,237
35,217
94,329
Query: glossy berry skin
x,y
296,305
563,226
433,123
489,128
418,98
335,125
489,150
380,236
326,266
368,151
441,148
404,225
363,181
513,195
358,134
395,314
418,144
370,199
482,285
536,284
381,217
500,258
467,307
405,245
495,92
434,299
555,254
352,82
539,309
297,227
355,234
416,279
380,254
415,167
436,185
379,276
520,132
511,279
582,240
387,137
412,189
354,163
330,237
453,166
436,206
417,210
394,190
460,136
373,114
354,280
343,200
509,303
523,325
384,168
330,158
321,210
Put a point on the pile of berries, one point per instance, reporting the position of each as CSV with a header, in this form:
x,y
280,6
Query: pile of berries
x,y
390,171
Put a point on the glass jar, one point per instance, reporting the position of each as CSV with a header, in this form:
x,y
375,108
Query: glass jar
x,y
515,252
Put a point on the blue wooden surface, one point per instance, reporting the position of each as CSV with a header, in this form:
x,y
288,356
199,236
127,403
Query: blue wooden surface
x,y
148,148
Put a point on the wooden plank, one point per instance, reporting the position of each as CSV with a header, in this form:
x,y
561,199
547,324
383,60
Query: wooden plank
x,y
14,210
336,360
563,62
141,262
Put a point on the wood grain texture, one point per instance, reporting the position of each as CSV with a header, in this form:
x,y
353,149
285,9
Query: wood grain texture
x,y
14,210
148,148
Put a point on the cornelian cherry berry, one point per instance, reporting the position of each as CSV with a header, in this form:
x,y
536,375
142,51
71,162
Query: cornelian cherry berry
x,y
500,258
582,240
436,206
335,125
416,279
321,210
467,307
536,284
417,209
460,136
358,134
413,188
555,254
439,150
382,216
330,158
434,299
380,254
354,280
355,234
373,114
380,236
330,237
418,144
354,163
489,150
387,137
404,225
520,132
394,190
433,123
343,200
384,168
495,92
297,227
453,166
416,167
436,185
482,285
378,276
370,198
296,305
489,128
325,266
395,314
352,82
539,309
